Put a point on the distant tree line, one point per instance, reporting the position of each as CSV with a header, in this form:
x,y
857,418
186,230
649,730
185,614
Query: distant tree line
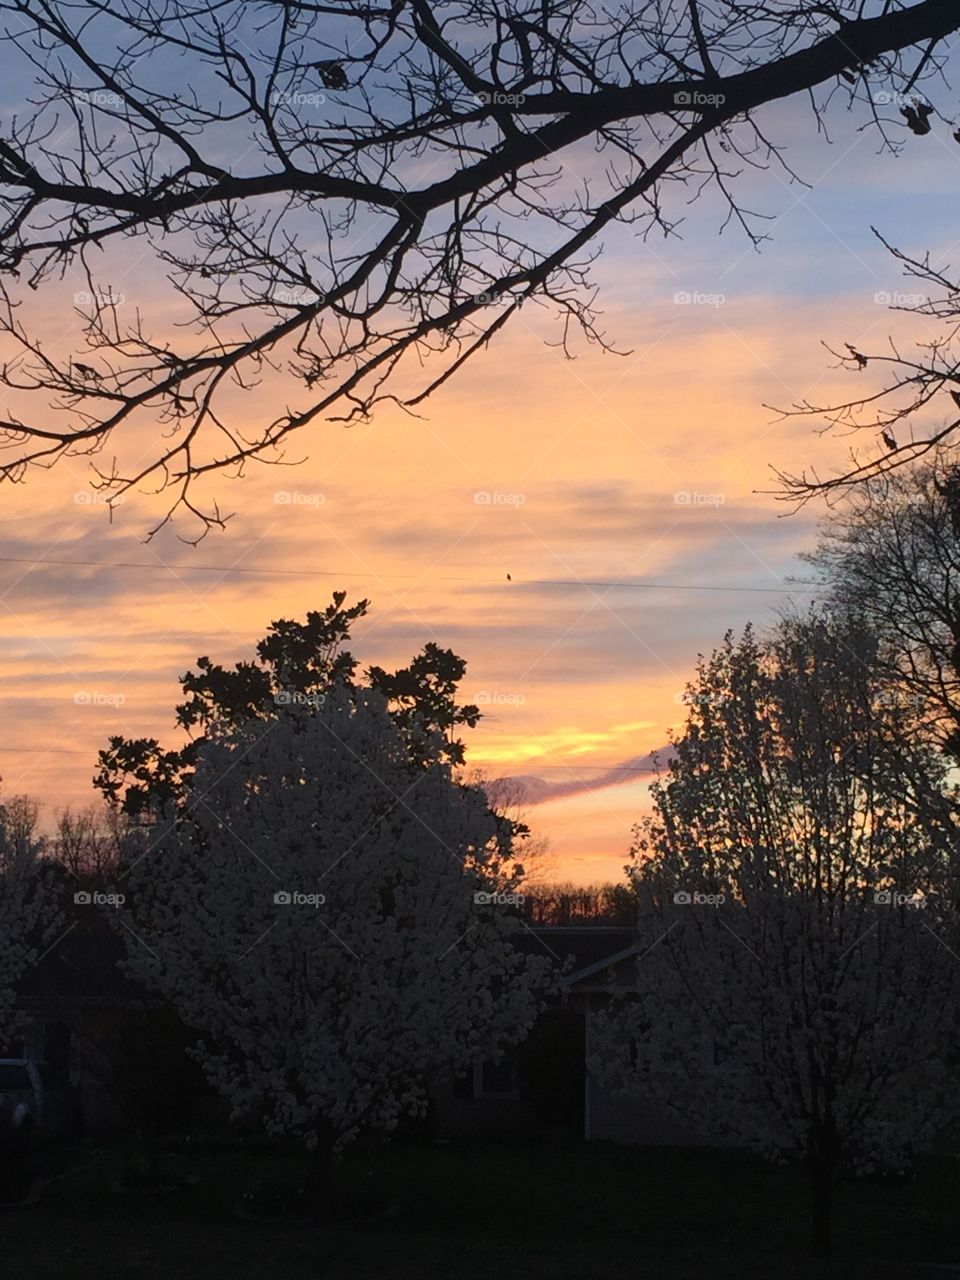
x,y
579,904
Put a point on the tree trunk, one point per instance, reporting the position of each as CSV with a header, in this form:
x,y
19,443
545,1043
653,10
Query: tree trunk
x,y
152,1159
320,1183
821,1203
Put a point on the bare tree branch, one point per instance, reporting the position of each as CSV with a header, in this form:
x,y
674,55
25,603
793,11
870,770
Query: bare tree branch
x,y
918,396
336,192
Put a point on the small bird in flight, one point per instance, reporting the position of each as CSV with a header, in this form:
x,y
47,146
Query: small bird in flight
x,y
509,579
889,441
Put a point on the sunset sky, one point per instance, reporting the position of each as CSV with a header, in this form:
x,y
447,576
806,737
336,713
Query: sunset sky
x,y
564,474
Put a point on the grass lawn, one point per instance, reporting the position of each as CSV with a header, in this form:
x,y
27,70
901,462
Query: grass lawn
x,y
462,1212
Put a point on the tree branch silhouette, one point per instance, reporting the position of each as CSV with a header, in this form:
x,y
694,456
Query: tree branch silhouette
x,y
355,196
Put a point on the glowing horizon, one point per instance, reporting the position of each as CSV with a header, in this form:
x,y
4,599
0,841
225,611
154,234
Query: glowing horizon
x,y
638,472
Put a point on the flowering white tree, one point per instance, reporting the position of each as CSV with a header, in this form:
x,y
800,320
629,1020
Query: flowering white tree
x,y
799,989
313,912
28,907
18,906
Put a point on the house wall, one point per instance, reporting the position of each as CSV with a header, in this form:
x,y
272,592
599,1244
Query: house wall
x,y
471,1117
93,1048
80,1044
546,1090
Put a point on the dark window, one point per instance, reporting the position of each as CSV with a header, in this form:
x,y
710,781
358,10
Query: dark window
x,y
498,1079
463,1086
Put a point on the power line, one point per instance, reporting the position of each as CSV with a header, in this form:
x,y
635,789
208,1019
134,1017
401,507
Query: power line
x,y
263,571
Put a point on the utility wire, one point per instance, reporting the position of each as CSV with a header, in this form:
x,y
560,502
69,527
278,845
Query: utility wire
x,y
263,571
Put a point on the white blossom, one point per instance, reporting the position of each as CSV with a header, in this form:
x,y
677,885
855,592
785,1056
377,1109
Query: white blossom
x,y
332,1011
799,983
28,911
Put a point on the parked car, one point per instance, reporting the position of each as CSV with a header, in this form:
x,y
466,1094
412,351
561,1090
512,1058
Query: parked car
x,y
35,1099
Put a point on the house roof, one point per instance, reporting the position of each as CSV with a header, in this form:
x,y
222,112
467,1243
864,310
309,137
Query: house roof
x,y
81,966
592,950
